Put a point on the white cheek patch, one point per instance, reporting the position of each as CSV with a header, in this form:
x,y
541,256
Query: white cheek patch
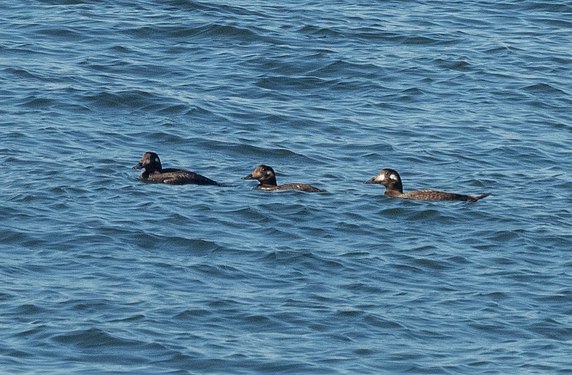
x,y
156,160
394,177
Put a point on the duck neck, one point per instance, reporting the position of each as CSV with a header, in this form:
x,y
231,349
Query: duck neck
x,y
395,186
393,193
270,181
145,174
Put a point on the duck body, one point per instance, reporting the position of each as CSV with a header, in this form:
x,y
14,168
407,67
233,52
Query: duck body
x,y
267,181
394,188
293,186
154,172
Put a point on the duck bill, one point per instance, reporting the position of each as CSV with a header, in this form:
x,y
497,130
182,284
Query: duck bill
x,y
138,166
249,177
371,181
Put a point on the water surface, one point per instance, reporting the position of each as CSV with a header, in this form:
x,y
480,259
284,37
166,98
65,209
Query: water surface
x,y
102,273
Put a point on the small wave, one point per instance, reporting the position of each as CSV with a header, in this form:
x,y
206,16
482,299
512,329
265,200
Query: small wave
x,y
93,338
196,247
62,33
21,73
210,31
544,88
281,82
39,103
131,99
458,65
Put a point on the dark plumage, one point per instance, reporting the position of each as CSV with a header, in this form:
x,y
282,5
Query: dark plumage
x,y
394,188
267,181
154,172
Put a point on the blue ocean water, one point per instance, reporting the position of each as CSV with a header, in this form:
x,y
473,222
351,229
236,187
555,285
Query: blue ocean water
x,y
104,274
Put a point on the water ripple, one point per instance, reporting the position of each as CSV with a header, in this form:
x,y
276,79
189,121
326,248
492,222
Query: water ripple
x,y
103,273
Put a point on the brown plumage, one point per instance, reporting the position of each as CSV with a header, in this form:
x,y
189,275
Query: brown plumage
x,y
154,172
267,181
394,188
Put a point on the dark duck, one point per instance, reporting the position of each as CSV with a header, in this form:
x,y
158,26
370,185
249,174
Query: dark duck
x,y
394,188
154,172
267,181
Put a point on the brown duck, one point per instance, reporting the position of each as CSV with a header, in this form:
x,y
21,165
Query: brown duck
x,y
267,181
154,172
394,188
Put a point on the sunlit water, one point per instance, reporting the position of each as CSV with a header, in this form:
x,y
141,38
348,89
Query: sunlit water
x,y
102,273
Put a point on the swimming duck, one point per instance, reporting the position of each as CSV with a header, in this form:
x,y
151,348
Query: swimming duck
x,y
267,181
154,172
394,188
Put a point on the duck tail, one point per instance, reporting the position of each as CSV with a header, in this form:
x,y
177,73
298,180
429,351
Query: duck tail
x,y
480,196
